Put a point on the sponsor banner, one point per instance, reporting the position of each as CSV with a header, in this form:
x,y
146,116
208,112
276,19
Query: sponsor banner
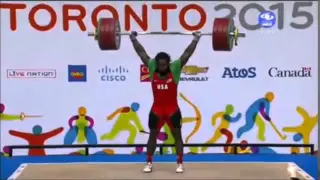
x,y
189,73
31,73
113,73
77,73
239,73
290,73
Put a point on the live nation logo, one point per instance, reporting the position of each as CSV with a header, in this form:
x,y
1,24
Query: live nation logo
x,y
31,73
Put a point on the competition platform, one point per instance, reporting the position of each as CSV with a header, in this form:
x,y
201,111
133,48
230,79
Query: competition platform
x,y
199,166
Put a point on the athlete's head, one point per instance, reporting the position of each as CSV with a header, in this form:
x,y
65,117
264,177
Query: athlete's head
x,y
163,62
269,96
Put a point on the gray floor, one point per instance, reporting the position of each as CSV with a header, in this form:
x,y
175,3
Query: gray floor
x,y
160,171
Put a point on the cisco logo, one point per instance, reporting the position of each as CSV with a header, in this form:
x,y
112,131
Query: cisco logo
x,y
237,73
113,74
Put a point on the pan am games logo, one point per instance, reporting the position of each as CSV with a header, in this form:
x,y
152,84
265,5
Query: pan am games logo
x,y
190,73
77,73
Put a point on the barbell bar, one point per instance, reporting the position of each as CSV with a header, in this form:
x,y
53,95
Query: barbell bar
x,y
168,33
224,34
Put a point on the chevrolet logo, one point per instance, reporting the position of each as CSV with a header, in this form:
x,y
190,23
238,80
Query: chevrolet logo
x,y
194,70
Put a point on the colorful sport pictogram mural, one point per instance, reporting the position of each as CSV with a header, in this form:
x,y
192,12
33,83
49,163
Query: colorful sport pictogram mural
x,y
81,129
225,118
36,138
227,125
302,132
14,117
127,120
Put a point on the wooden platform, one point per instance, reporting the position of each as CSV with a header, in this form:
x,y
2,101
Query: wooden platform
x,y
160,171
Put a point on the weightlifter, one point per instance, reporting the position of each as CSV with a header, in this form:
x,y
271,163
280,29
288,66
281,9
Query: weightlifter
x,y
164,76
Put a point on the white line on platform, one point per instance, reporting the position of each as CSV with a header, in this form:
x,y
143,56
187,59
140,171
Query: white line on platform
x,y
17,172
302,173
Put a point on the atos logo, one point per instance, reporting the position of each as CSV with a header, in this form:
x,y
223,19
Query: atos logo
x,y
239,73
77,73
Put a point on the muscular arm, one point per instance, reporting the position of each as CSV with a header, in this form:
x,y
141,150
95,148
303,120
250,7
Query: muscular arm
x,y
184,58
140,51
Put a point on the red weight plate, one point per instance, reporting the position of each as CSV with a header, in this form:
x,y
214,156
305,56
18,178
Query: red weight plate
x,y
221,34
108,37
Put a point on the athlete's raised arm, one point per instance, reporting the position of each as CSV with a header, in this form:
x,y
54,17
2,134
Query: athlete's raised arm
x,y
139,48
190,49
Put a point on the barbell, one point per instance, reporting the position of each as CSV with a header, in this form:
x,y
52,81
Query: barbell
x,y
224,34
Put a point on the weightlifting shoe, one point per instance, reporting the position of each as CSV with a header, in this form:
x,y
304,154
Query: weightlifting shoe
x,y
148,168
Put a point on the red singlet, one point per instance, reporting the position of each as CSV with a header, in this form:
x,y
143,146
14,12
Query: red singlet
x,y
165,93
165,89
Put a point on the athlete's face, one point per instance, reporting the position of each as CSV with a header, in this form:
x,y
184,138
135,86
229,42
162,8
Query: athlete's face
x,y
163,66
